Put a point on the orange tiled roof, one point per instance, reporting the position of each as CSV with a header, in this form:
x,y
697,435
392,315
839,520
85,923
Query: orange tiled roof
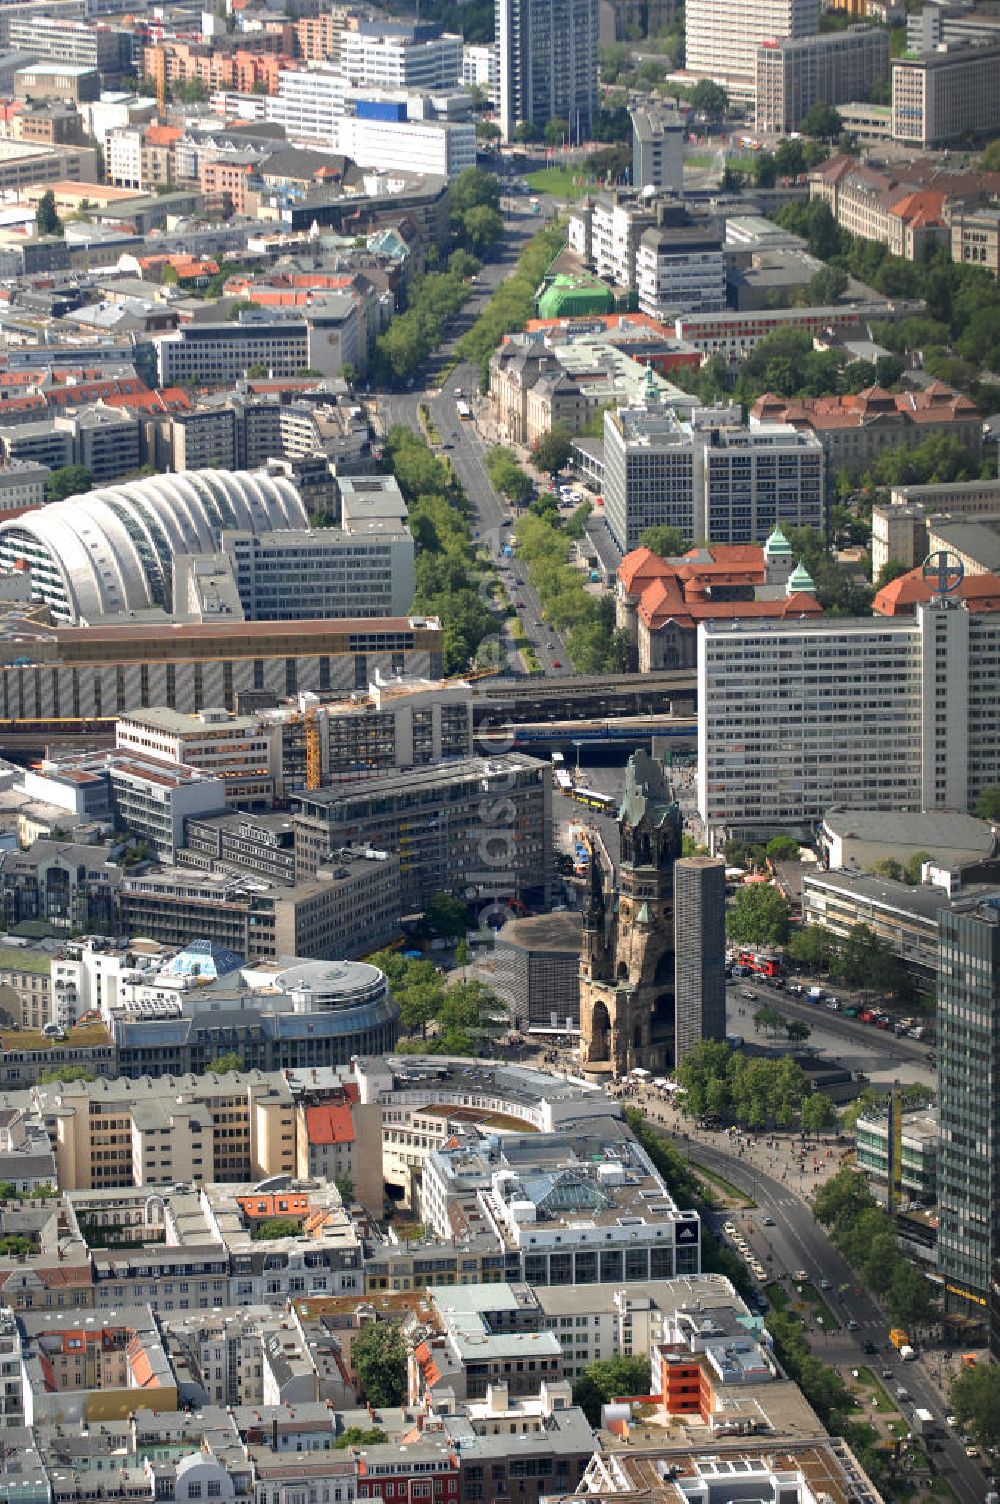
x,y
979,592
330,1123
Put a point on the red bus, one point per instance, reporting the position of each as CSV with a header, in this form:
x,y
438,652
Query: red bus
x,y
761,963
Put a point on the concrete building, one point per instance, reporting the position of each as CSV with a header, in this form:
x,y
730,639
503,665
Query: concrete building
x,y
737,332
480,827
918,1160
400,55
968,990
350,905
708,475
905,918
975,235
328,335
547,52
680,267
443,147
699,951
233,749
481,67
939,97
792,74
721,37
900,717
22,485
537,971
94,555
857,838
97,673
657,150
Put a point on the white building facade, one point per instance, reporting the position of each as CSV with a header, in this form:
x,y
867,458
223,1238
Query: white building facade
x,y
889,713
722,36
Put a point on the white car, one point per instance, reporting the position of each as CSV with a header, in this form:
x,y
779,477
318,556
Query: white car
x,y
951,1420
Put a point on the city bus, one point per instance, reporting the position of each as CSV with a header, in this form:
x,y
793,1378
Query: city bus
x,y
606,803
761,963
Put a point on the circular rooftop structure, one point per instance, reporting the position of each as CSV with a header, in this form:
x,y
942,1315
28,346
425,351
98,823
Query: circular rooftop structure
x,y
112,551
332,984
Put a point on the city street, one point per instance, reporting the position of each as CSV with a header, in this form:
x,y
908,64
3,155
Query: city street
x,y
797,1241
467,446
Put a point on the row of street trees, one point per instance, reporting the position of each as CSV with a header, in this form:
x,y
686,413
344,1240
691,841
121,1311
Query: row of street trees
x,y
447,573
865,1235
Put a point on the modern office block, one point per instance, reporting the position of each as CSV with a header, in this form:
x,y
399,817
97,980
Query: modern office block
x,y
969,1153
794,73
699,952
715,479
657,149
939,97
548,63
892,712
722,36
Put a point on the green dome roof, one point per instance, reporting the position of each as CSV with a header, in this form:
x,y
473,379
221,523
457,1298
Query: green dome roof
x,y
800,579
777,544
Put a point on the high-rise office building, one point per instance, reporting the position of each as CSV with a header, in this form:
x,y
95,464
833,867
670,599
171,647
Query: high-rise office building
x,y
969,1152
722,36
548,63
795,73
699,952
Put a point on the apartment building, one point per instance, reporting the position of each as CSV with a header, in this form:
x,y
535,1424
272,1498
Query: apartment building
x,y
940,97
25,993
404,55
198,1130
904,917
794,73
22,485
722,36
893,712
547,52
478,825
708,475
83,675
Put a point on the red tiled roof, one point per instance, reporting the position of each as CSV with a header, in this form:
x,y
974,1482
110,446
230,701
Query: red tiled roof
x,y
330,1123
641,564
979,592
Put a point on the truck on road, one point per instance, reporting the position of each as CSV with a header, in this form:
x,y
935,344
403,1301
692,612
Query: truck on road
x,y
923,1422
898,1337
907,1353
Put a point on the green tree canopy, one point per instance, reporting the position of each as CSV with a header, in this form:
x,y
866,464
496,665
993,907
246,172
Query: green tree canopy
x,y
813,947
758,915
892,569
66,1073
527,130
69,480
665,541
225,1065
782,849
273,1228
551,451
822,120
446,916
988,804
556,131
378,1355
47,221
975,1399
709,99
613,1378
